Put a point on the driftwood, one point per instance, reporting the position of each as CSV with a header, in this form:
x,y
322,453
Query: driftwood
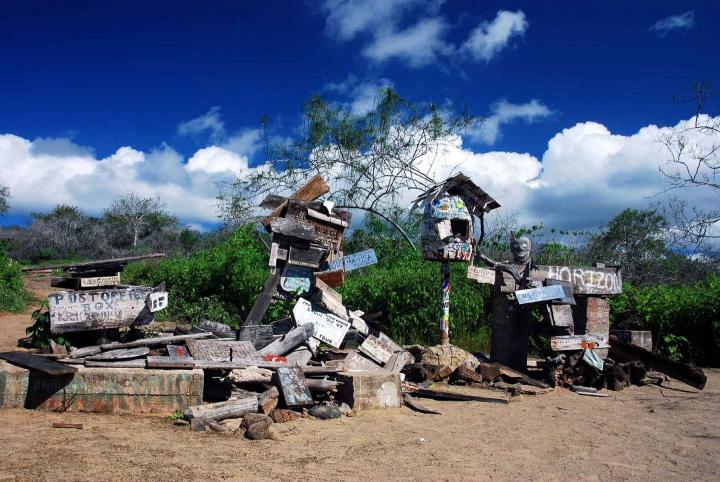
x,y
85,351
160,340
103,263
33,362
116,364
417,406
170,362
250,375
224,365
257,312
268,401
693,376
222,410
457,397
293,339
218,329
123,354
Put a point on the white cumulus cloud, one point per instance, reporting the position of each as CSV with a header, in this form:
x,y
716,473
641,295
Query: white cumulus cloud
x,y
489,38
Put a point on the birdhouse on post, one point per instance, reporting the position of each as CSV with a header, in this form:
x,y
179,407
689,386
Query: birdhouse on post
x,y
447,231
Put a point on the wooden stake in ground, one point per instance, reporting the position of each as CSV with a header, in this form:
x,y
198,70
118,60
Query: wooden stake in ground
x,y
445,303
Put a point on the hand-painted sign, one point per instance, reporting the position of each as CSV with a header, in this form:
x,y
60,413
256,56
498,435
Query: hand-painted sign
x,y
585,281
452,207
481,275
98,309
328,327
295,278
578,342
535,295
354,261
100,281
157,301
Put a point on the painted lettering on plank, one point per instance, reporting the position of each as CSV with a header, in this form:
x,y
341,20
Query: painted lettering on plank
x,y
535,295
354,261
329,328
586,280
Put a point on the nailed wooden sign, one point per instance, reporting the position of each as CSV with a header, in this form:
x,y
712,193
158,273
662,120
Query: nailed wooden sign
x,y
356,362
375,349
578,342
98,309
585,281
218,350
295,279
157,301
535,295
292,385
178,351
293,228
354,261
309,257
100,281
481,275
328,327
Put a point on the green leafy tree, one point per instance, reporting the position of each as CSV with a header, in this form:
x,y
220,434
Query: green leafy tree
x,y
369,159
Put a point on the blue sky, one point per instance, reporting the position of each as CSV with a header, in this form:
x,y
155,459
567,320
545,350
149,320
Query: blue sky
x,y
168,81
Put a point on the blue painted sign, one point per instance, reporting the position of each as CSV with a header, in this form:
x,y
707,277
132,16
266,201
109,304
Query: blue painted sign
x,y
354,261
535,295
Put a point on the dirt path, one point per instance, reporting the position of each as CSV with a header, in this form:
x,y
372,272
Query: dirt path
x,y
643,433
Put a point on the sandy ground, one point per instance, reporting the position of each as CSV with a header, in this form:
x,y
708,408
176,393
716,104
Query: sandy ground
x,y
641,433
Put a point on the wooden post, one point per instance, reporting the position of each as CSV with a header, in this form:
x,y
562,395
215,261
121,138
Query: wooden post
x,y
445,303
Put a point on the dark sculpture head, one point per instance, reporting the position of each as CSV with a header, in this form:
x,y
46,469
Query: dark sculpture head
x,y
520,248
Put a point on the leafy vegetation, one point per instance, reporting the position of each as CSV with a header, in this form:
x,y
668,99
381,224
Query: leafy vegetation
x,y
13,296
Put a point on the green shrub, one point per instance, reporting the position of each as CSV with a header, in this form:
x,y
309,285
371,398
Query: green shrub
x,y
13,295
684,320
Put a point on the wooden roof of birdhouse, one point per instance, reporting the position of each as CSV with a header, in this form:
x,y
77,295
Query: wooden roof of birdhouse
x,y
461,185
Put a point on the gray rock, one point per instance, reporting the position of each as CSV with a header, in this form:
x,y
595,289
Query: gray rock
x,y
325,412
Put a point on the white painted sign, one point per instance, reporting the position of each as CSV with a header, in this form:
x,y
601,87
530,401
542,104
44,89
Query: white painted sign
x,y
578,342
329,328
481,275
157,301
544,293
354,261
100,281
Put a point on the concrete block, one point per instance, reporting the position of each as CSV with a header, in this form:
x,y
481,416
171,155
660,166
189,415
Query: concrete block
x,y
101,390
370,389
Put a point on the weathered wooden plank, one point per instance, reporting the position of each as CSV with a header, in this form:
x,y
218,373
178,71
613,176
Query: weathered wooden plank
x,y
84,351
309,257
137,363
328,327
170,362
358,323
89,264
310,191
272,261
100,281
586,281
376,350
396,362
332,278
39,363
562,317
222,410
389,342
481,275
293,388
293,228
98,309
328,219
354,261
597,318
536,295
294,337
330,299
257,312
219,350
693,376
250,375
123,354
356,362
568,299
160,340
460,397
224,365
220,330
577,342
259,335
